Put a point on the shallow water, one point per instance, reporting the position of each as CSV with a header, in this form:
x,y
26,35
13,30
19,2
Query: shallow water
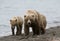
x,y
9,8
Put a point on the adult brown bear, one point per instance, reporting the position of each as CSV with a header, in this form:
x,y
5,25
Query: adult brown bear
x,y
36,21
18,22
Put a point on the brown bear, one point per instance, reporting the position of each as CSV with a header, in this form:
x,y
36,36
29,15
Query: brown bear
x,y
17,22
36,21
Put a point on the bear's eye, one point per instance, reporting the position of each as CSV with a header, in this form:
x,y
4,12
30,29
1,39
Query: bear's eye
x,y
24,15
32,15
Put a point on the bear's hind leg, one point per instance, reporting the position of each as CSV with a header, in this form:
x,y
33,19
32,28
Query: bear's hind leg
x,y
42,30
20,29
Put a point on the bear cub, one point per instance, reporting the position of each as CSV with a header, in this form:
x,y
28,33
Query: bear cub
x,y
17,22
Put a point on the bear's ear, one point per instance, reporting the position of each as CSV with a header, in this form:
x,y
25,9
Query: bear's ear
x,y
10,20
24,15
16,20
32,15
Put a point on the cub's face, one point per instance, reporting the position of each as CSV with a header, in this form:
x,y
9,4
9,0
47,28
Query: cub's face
x,y
29,19
13,22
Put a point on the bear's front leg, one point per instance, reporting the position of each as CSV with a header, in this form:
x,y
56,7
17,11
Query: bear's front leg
x,y
12,28
34,31
26,30
42,30
17,30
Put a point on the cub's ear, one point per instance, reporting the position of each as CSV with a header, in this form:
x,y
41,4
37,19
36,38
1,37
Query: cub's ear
x,y
10,20
16,20
24,15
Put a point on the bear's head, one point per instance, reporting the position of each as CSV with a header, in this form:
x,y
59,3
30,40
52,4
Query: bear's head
x,y
13,21
30,17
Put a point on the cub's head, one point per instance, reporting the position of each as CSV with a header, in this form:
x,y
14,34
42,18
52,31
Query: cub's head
x,y
13,21
30,17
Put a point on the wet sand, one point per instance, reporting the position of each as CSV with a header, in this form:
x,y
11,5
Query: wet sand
x,y
52,34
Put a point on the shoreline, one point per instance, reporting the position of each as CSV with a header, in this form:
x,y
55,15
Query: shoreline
x,y
52,34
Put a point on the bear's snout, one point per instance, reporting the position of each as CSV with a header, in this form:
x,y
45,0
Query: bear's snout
x,y
28,22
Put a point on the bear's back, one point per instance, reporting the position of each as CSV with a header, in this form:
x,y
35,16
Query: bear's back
x,y
19,19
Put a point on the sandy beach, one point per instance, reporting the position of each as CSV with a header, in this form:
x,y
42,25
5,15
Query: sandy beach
x,y
52,34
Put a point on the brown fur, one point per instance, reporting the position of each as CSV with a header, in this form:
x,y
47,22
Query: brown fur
x,y
38,25
16,21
